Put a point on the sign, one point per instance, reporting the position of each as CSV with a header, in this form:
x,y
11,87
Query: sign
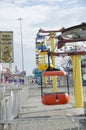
x,y
6,47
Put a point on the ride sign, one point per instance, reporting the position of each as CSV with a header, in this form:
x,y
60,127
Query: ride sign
x,y
6,47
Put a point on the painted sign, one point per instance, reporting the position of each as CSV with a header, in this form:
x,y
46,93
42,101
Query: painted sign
x,y
6,47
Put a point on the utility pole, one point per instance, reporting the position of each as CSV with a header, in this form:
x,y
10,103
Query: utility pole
x,y
20,20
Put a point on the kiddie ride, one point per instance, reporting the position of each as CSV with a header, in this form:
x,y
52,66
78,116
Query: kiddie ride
x,y
72,34
53,98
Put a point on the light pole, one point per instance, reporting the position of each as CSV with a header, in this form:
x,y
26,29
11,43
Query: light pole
x,y
20,20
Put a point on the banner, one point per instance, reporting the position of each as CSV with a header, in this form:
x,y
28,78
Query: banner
x,y
6,47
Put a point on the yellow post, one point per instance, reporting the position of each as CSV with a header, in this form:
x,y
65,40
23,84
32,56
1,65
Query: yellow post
x,y
54,79
45,80
78,90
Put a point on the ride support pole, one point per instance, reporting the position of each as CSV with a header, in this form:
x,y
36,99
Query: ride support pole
x,y
77,75
54,78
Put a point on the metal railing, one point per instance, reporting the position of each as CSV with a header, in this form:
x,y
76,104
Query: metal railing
x,y
10,105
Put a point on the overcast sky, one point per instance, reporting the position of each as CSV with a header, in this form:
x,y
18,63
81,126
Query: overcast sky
x,y
36,14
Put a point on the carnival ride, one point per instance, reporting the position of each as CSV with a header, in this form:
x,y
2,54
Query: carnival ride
x,y
53,98
70,35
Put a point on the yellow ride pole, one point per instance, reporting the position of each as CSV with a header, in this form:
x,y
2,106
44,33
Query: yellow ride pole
x,y
45,79
54,78
77,75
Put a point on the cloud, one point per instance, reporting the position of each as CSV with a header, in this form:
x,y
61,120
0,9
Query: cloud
x,y
36,14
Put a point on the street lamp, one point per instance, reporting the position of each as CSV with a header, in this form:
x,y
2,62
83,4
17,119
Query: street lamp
x,y
20,20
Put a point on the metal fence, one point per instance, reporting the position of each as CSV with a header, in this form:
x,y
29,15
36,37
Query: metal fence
x,y
11,105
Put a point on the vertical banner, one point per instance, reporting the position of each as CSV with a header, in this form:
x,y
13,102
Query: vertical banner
x,y
6,47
